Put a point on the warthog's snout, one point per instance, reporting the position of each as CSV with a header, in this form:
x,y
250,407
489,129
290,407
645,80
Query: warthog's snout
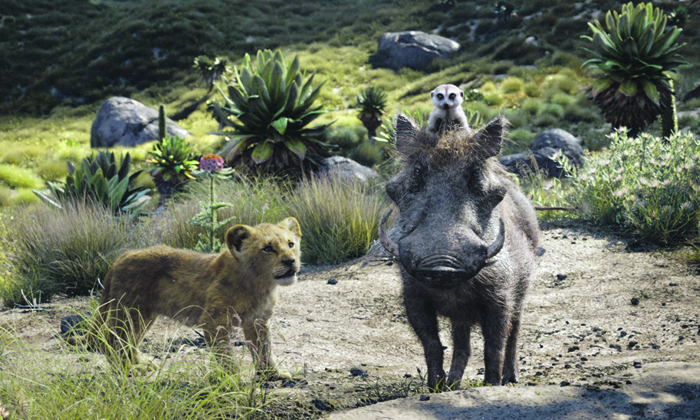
x,y
442,271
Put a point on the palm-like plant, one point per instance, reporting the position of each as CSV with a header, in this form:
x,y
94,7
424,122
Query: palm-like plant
x,y
634,61
172,165
268,107
372,102
102,179
211,69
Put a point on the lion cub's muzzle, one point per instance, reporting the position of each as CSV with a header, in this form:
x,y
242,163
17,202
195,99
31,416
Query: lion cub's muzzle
x,y
290,275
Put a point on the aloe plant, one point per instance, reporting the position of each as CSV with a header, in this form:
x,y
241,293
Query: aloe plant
x,y
172,165
372,102
266,114
102,179
635,58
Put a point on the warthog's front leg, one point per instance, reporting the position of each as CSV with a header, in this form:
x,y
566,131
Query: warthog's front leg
x,y
461,352
494,326
423,318
510,364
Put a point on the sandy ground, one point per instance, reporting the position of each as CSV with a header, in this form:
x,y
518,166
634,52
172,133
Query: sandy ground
x,y
598,306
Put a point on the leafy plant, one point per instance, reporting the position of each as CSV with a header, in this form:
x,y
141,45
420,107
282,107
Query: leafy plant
x,y
372,102
172,164
102,179
211,69
269,106
635,58
644,185
211,167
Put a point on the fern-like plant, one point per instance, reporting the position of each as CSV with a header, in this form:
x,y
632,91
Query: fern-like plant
x,y
172,165
372,102
267,110
635,58
102,179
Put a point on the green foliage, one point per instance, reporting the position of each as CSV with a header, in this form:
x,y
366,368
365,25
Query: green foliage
x,y
644,185
269,106
172,159
102,179
207,218
372,102
338,229
211,69
64,250
635,57
38,384
18,177
512,84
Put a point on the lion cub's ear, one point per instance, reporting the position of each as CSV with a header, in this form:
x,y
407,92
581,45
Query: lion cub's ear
x,y
292,225
236,235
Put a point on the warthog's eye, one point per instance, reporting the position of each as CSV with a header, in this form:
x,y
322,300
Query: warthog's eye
x,y
268,249
291,244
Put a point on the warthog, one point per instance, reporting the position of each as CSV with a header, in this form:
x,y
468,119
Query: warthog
x,y
465,238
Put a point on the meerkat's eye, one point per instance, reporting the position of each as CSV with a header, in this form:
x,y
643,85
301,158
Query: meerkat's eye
x,y
291,244
452,96
440,96
268,249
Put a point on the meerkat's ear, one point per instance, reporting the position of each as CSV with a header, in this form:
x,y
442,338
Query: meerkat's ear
x,y
236,236
461,93
292,225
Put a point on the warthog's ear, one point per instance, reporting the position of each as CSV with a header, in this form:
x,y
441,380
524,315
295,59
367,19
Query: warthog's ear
x,y
406,131
292,225
236,236
490,136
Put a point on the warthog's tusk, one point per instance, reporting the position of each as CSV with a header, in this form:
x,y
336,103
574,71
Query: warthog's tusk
x,y
384,239
496,246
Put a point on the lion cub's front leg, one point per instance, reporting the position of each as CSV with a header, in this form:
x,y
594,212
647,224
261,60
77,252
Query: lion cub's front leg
x,y
257,333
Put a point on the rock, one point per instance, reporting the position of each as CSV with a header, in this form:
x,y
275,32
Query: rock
x,y
412,49
542,154
332,281
126,122
347,169
73,325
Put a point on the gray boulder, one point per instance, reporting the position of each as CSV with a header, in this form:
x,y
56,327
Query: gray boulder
x,y
412,49
542,154
126,122
347,169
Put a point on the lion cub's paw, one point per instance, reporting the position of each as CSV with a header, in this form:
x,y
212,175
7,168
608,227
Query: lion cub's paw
x,y
272,375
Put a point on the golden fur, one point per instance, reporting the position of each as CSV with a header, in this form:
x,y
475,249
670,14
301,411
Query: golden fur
x,y
236,288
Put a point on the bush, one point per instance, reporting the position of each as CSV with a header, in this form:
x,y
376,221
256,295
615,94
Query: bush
x,y
532,89
338,229
512,84
531,106
17,177
65,250
646,186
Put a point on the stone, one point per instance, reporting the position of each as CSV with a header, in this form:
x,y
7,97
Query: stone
x,y
126,122
347,169
542,154
412,49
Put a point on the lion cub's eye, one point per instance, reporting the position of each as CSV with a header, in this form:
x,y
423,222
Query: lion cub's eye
x,y
268,249
291,244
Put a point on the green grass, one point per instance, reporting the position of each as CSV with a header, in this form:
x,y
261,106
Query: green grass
x,y
18,177
68,384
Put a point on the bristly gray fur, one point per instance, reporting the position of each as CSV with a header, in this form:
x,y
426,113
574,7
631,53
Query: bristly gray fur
x,y
465,238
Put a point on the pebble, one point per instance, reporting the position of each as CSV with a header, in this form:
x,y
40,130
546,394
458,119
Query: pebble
x,y
634,301
565,383
424,397
637,365
358,372
332,281
561,277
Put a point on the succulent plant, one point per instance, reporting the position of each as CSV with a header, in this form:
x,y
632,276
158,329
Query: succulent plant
x,y
211,69
372,102
635,58
172,165
268,107
102,179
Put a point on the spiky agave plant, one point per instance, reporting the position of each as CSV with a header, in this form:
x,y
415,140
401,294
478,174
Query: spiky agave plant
x,y
372,102
268,107
635,58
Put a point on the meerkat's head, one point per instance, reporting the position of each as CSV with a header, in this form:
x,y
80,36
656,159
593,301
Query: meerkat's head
x,y
447,96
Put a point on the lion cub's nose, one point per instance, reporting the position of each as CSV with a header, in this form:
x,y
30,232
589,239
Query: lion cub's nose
x,y
289,261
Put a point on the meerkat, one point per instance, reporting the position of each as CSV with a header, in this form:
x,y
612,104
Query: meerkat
x,y
448,112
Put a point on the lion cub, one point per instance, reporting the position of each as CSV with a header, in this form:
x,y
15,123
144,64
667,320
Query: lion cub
x,y
236,288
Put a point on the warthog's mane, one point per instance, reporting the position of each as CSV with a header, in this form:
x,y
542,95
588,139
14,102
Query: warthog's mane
x,y
447,148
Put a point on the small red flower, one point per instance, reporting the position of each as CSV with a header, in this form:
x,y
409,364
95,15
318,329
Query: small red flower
x,y
211,163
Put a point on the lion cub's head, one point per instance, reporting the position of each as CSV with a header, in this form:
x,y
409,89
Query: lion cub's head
x,y
268,251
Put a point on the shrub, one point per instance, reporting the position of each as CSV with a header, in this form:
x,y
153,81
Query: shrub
x,y
512,84
367,154
531,106
343,137
18,177
339,228
532,90
65,250
493,98
554,110
645,186
269,107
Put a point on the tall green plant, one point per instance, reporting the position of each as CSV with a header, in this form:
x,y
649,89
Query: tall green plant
x,y
268,108
635,58
172,165
371,102
100,178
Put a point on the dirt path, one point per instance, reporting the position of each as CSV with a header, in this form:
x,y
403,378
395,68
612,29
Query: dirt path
x,y
594,309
